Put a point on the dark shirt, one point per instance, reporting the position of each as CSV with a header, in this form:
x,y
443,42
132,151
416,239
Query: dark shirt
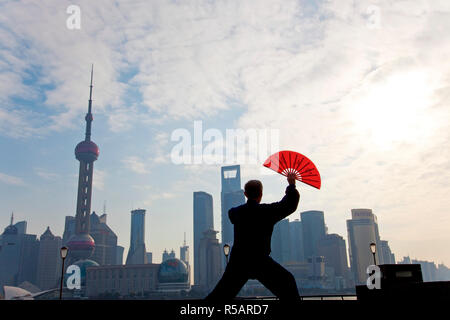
x,y
254,222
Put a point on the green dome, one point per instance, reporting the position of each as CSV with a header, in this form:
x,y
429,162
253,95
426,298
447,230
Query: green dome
x,y
83,265
173,271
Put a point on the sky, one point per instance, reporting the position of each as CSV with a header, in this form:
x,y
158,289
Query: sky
x,y
362,88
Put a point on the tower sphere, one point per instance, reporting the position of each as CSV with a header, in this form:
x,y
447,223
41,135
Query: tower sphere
x,y
87,151
81,246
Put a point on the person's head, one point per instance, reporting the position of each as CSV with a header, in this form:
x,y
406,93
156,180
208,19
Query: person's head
x,y
253,190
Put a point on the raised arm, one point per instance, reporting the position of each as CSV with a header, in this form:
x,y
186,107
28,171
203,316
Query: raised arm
x,y
287,205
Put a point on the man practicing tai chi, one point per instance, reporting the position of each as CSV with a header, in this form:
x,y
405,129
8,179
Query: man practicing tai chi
x,y
250,255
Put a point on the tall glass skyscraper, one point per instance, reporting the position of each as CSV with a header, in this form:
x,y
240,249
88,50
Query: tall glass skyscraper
x,y
203,221
314,230
232,196
362,231
137,252
296,235
281,242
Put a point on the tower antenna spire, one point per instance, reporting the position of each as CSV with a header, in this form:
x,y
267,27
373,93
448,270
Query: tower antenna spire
x,y
184,244
89,116
12,217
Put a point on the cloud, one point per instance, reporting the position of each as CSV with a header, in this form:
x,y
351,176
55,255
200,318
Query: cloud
x,y
46,174
11,180
135,164
98,181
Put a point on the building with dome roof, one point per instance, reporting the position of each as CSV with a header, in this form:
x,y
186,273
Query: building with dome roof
x,y
173,275
168,279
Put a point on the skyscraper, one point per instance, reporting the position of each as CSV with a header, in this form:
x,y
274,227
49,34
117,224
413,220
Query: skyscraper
x,y
81,244
387,256
296,235
203,220
119,255
69,229
232,196
210,264
18,255
137,251
333,248
314,229
184,251
105,240
149,257
281,242
362,231
49,263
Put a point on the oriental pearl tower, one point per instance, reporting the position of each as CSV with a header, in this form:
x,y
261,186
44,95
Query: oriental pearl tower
x,y
81,244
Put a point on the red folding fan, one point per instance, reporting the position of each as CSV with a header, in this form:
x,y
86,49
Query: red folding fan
x,y
285,162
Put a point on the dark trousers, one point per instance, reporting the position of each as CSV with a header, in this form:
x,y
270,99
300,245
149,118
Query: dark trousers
x,y
264,269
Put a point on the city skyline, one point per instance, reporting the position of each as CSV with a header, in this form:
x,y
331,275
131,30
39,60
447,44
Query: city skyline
x,y
284,66
329,269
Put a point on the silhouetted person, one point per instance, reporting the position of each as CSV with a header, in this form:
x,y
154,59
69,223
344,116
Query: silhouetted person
x,y
249,258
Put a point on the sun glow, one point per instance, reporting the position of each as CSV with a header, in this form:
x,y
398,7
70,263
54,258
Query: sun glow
x,y
395,109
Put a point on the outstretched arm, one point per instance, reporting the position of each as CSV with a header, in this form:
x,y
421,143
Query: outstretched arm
x,y
287,205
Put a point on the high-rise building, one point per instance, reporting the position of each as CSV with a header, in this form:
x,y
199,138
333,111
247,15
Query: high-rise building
x,y
210,262
10,255
49,262
18,255
81,244
184,251
387,256
28,259
105,240
119,255
281,242
21,227
232,196
203,220
69,229
184,255
333,248
149,257
362,231
314,229
137,251
296,235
